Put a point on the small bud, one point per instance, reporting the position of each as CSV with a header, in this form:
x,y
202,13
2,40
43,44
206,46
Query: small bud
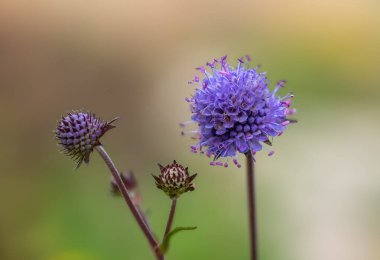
x,y
130,183
174,180
128,179
79,132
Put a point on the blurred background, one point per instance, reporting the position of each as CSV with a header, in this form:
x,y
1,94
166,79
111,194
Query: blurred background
x,y
318,197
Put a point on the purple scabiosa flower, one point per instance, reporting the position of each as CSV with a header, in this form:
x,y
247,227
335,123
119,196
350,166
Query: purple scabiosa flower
x,y
174,180
79,132
235,111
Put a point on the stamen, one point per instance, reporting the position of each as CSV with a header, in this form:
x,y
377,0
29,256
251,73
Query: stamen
x,y
201,69
289,95
190,132
211,64
290,111
236,163
224,73
281,83
287,102
183,124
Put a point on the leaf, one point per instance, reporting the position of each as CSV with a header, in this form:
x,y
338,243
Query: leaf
x,y
164,247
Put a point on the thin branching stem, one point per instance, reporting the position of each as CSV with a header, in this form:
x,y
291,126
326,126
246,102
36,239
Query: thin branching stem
x,y
171,217
135,212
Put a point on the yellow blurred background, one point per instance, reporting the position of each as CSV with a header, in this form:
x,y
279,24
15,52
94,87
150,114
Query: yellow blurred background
x,y
318,197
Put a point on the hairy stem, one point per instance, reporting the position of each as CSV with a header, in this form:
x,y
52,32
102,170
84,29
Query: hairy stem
x,y
135,212
252,206
171,217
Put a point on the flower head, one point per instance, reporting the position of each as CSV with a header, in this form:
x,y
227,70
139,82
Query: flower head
x,y
174,180
79,132
235,111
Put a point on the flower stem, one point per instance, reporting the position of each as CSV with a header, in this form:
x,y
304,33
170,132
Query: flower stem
x,y
135,212
251,206
143,216
171,217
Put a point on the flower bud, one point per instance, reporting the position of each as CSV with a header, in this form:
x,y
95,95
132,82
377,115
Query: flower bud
x,y
174,180
130,183
79,132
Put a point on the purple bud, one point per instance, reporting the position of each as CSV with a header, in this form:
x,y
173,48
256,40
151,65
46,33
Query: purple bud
x,y
78,134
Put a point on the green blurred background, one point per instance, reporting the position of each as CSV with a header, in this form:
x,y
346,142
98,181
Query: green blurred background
x,y
318,197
